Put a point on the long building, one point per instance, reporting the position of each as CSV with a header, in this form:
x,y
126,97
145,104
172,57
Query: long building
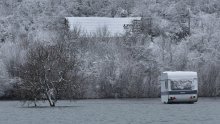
x,y
112,26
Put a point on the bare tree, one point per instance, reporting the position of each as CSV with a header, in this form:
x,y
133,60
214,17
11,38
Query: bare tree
x,y
48,71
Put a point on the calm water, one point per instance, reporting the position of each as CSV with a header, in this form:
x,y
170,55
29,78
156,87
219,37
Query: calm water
x,y
126,111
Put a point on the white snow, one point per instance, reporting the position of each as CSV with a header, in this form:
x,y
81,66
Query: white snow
x,y
90,25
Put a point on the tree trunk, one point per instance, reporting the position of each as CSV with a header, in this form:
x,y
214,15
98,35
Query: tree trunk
x,y
51,102
35,102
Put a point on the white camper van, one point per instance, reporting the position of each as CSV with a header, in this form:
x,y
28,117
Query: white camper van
x,y
179,86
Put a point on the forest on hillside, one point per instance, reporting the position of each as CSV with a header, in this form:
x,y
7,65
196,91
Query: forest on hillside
x,y
39,54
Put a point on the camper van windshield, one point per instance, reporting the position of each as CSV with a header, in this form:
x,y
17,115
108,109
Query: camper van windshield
x,y
182,85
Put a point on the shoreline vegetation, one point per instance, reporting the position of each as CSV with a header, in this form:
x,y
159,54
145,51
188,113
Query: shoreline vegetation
x,y
40,58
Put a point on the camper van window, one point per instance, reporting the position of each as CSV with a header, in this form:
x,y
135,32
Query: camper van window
x,y
166,84
182,85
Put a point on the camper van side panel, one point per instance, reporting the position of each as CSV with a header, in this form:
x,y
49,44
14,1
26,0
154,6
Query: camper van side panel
x,y
164,88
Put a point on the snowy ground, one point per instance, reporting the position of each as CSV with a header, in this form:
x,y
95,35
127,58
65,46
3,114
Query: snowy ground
x,y
128,111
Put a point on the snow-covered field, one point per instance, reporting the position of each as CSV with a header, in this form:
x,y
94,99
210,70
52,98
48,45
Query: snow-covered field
x,y
125,111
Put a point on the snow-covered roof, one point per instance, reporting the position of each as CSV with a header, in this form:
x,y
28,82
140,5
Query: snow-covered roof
x,y
90,25
181,74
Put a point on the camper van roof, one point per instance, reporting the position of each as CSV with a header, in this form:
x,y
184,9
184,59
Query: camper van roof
x,y
181,74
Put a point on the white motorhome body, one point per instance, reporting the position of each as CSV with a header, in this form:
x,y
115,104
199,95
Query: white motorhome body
x,y
179,86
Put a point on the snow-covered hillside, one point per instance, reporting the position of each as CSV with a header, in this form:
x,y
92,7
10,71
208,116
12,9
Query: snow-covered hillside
x,y
36,46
